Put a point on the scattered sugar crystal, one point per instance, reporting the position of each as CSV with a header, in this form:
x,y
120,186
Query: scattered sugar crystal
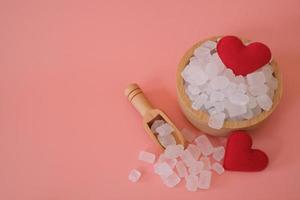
x,y
173,151
219,153
194,150
216,121
171,162
239,99
171,181
204,145
219,82
256,78
206,162
196,167
204,180
166,140
163,169
181,169
164,129
192,183
217,167
146,157
187,158
156,124
188,135
134,175
264,102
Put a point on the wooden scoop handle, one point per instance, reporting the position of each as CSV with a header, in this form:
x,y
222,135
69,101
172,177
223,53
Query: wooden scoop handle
x,y
137,98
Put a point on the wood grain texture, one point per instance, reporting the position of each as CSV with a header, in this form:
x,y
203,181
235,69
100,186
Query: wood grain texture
x,y
200,119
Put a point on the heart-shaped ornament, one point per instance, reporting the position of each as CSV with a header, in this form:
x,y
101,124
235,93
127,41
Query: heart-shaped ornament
x,y
240,58
239,155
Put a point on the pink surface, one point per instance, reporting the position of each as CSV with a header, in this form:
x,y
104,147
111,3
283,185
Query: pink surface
x,y
67,131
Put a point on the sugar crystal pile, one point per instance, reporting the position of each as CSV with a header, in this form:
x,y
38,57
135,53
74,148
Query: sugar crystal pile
x,y
194,164
213,88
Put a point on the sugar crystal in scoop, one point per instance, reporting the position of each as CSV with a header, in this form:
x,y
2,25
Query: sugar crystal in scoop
x,y
204,179
156,124
164,129
146,157
134,175
204,145
166,140
264,102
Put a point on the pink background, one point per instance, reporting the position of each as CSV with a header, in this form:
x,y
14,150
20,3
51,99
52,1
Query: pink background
x,y
67,131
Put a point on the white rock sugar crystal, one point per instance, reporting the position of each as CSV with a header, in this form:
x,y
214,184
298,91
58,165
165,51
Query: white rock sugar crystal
x,y
156,124
134,175
192,182
164,129
173,151
166,140
187,158
204,180
171,181
206,163
146,157
214,88
219,153
194,150
196,167
164,132
181,169
218,168
163,169
204,145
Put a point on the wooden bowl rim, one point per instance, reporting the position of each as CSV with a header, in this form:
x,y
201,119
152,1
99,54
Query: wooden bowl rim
x,y
203,116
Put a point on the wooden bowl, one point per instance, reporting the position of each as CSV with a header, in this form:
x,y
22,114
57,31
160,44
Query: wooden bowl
x,y
200,119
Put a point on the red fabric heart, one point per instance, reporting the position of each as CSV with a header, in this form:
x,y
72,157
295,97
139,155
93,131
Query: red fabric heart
x,y
240,58
239,155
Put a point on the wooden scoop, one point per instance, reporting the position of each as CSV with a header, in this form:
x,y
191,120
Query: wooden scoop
x,y
137,98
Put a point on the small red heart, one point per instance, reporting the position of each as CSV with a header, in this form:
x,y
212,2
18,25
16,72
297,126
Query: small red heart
x,y
240,58
240,157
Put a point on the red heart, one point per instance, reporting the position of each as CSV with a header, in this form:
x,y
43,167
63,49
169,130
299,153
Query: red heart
x,y
240,157
240,58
